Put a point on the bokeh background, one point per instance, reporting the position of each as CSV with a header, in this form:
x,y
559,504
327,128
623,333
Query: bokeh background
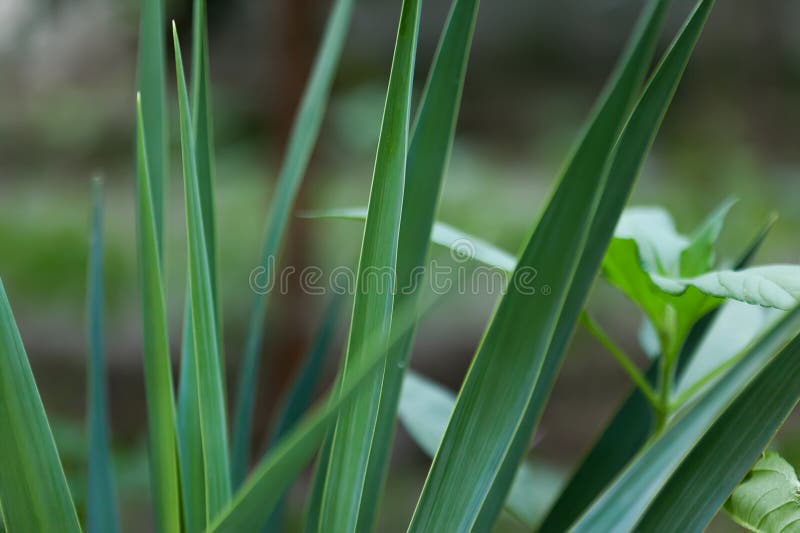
x,y
67,87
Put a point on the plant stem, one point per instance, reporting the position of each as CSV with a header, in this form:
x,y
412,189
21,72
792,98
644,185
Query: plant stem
x,y
624,361
705,380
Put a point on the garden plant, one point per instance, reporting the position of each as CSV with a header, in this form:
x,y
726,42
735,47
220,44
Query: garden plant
x,y
688,441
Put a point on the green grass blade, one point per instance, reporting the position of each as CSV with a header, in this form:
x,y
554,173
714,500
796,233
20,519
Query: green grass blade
x,y
427,160
189,438
101,504
483,439
372,308
152,86
301,143
758,375
157,370
33,487
729,448
208,373
300,394
263,489
314,503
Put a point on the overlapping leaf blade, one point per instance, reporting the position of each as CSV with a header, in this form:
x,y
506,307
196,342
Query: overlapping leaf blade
x,y
484,442
101,512
345,481
33,488
152,86
629,429
208,372
427,160
301,143
762,376
189,438
157,372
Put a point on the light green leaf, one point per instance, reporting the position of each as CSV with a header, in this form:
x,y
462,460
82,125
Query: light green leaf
x,y
699,257
372,308
496,410
768,500
682,476
305,131
210,392
189,438
33,488
775,286
152,86
157,370
425,408
101,504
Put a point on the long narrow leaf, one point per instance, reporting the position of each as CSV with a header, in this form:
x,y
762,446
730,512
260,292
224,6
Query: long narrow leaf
x,y
33,488
101,512
428,156
623,504
300,394
265,486
494,416
157,371
345,483
208,373
628,430
189,438
301,143
152,87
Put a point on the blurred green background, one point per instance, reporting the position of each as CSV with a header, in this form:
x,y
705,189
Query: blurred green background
x,y
67,93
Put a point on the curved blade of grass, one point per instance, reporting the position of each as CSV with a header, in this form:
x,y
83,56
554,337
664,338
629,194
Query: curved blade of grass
x,y
263,489
210,393
428,155
101,504
157,371
33,487
629,429
189,438
346,480
482,443
314,503
305,131
729,447
301,392
152,86
625,502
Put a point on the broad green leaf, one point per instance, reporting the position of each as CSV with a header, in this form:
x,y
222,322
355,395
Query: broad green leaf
x,y
152,86
425,408
630,427
767,500
428,157
775,286
157,370
189,438
305,131
33,488
504,425
101,504
755,384
275,473
300,393
372,307
210,392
